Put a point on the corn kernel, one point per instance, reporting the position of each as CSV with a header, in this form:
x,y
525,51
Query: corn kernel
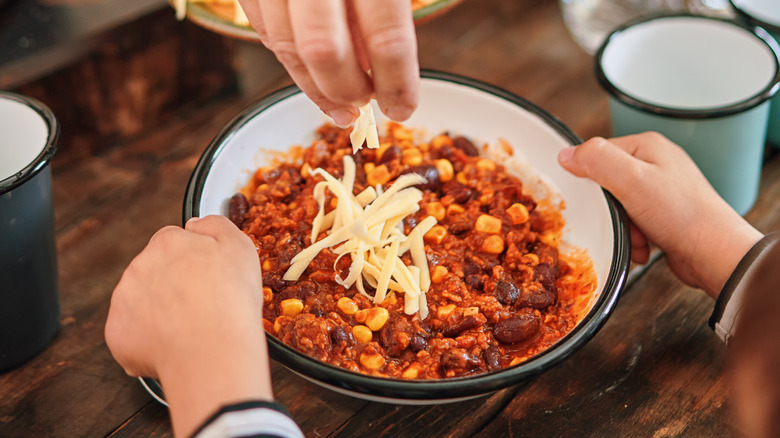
x,y
305,170
493,244
436,234
441,140
369,167
461,178
401,133
488,224
412,371
455,209
390,300
486,165
360,315
549,238
438,274
446,172
267,265
362,333
347,305
377,317
443,311
411,156
291,307
530,259
518,213
436,209
372,361
277,324
470,311
268,294
378,175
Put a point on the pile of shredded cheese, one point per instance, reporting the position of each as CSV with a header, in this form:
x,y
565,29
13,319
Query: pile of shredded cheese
x,y
369,227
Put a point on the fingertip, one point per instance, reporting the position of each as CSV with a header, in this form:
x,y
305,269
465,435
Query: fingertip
x,y
399,113
565,155
343,117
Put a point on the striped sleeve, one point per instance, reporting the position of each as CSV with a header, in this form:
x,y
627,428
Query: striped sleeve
x,y
255,419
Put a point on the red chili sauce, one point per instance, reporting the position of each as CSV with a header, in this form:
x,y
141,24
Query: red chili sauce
x,y
497,297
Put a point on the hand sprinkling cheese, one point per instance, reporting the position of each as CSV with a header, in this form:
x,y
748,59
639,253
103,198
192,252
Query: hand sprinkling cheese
x,y
364,129
369,227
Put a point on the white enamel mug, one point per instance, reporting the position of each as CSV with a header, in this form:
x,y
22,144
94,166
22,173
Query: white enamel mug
x,y
704,83
765,14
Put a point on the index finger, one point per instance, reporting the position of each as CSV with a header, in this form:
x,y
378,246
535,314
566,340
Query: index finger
x,y
218,227
324,43
388,33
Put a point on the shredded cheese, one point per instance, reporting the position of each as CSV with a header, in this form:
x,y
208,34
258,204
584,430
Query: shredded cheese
x,y
369,228
364,129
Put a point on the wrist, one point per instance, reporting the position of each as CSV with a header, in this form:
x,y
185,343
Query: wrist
x,y
203,376
725,251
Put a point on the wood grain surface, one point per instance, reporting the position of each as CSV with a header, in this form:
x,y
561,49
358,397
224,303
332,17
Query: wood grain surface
x,y
654,370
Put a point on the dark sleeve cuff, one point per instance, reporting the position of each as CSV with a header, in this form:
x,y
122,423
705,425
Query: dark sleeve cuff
x,y
243,406
723,316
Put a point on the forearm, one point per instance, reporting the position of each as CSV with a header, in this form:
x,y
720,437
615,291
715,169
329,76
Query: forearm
x,y
208,380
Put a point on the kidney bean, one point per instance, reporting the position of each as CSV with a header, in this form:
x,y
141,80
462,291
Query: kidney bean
x,y
466,146
474,281
274,281
471,267
418,343
459,360
340,335
237,208
517,328
492,357
461,326
288,248
547,275
427,171
395,335
506,292
460,193
538,299
301,289
446,152
271,174
393,152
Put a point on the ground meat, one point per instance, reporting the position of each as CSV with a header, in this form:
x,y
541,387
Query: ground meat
x,y
488,309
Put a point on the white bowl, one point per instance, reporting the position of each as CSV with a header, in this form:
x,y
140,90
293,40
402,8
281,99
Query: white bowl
x,y
485,114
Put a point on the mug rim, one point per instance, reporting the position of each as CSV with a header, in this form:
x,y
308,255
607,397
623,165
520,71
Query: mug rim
x,y
44,157
753,20
766,93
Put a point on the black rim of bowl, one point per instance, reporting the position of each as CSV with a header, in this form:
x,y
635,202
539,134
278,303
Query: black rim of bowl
x,y
42,160
705,113
753,21
458,387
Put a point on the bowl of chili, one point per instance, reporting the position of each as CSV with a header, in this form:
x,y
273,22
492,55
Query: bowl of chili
x,y
479,330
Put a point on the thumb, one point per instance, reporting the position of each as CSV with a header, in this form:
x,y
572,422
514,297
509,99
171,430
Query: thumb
x,y
603,162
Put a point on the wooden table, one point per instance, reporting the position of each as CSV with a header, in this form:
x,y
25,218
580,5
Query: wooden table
x,y
654,370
